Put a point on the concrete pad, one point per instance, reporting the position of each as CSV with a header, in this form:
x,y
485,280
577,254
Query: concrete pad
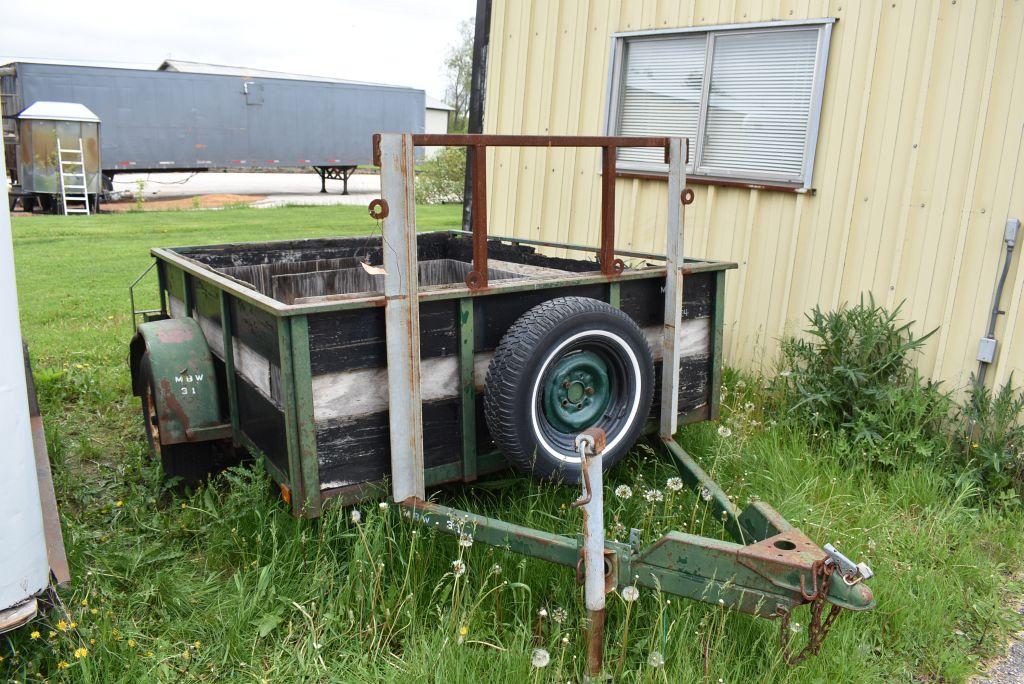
x,y
278,189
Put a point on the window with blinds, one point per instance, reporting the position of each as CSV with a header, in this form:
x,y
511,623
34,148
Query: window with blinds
x,y
747,96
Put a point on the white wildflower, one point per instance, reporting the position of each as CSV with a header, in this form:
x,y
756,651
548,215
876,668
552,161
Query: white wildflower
x,y
705,493
630,593
355,516
540,658
383,505
623,491
496,569
674,483
465,540
543,612
656,660
796,628
724,431
785,373
654,495
565,640
559,615
458,568
749,406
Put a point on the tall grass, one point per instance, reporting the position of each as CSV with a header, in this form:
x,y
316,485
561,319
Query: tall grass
x,y
225,585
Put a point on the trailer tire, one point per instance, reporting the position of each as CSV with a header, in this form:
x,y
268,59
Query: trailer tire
x,y
186,464
565,365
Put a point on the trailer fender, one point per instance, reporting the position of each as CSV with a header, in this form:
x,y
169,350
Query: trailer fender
x,y
184,377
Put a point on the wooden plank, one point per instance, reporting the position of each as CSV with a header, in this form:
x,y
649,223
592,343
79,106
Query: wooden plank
x,y
401,317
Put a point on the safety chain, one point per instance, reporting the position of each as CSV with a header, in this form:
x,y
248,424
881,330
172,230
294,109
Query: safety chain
x,y
817,629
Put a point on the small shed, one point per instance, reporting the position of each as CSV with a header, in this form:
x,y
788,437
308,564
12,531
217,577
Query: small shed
x,y
40,126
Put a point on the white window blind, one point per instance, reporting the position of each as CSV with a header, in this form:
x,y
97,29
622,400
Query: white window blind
x,y
747,96
662,91
759,102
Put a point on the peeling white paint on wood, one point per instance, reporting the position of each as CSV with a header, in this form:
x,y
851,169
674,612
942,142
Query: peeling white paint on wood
x,y
350,394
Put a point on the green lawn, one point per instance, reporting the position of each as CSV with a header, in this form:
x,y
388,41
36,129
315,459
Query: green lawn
x,y
227,586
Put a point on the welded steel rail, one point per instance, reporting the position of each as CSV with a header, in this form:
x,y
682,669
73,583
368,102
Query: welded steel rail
x,y
478,144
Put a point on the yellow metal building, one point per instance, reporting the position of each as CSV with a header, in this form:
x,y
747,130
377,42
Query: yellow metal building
x,y
915,159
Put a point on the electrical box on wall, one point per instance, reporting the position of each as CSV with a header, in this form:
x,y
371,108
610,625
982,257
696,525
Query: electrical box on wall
x,y
987,349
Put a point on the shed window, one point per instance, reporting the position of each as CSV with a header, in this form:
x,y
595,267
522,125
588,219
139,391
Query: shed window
x,y
747,96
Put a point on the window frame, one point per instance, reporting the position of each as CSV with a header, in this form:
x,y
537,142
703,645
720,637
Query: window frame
x,y
695,168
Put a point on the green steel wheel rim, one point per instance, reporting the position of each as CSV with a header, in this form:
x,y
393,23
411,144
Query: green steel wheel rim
x,y
577,392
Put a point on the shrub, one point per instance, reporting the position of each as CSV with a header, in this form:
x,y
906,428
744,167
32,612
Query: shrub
x,y
441,179
855,374
993,437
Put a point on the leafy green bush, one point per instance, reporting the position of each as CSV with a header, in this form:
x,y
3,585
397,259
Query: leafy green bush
x,y
441,179
855,375
993,438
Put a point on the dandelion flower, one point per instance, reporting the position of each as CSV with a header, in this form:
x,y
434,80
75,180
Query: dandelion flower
x,y
131,643
796,628
656,660
119,503
540,658
355,516
465,540
623,491
543,612
34,635
463,630
674,483
724,431
94,611
705,493
81,652
559,615
63,665
458,567
52,634
496,569
73,624
383,505
630,593
565,640
197,645
749,406
85,602
654,495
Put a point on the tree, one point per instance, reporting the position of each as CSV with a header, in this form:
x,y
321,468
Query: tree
x,y
458,66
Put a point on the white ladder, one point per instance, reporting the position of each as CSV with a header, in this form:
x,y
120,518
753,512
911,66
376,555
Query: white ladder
x,y
73,191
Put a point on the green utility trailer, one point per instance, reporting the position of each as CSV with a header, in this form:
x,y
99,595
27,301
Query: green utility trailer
x,y
353,380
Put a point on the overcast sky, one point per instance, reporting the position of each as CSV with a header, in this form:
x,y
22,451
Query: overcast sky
x,y
401,42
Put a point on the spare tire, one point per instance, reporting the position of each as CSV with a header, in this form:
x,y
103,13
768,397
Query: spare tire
x,y
566,365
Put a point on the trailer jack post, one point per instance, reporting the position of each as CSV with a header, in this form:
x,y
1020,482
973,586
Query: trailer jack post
x,y
590,444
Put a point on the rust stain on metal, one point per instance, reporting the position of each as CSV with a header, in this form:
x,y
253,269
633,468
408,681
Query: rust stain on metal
x,y
686,196
170,398
379,209
607,253
595,642
477,278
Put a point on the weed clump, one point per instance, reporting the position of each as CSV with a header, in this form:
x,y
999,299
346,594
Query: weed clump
x,y
855,375
991,442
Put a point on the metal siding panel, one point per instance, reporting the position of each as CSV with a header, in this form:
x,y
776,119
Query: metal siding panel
x,y
922,106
